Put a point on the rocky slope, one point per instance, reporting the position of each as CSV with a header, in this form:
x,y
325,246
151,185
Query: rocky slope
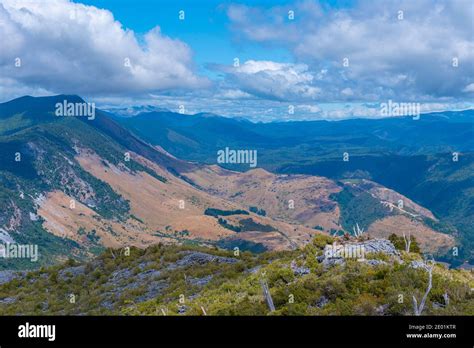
x,y
186,280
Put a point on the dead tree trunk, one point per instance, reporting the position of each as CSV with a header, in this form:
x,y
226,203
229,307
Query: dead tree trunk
x,y
267,295
446,298
407,242
357,230
419,310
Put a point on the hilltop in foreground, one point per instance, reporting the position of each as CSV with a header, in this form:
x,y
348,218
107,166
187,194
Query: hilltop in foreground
x,y
186,280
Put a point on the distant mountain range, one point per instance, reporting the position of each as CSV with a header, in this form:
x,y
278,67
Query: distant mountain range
x,y
134,110
430,160
199,136
76,185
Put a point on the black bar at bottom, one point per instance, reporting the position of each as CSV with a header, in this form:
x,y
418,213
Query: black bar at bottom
x,y
290,331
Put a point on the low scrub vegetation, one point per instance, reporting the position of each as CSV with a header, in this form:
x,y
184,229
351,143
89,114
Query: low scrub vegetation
x,y
196,280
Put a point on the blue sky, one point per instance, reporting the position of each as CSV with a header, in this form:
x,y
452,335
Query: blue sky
x,y
205,28
332,60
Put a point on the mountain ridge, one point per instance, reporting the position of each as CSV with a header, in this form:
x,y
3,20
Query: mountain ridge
x,y
429,160
93,163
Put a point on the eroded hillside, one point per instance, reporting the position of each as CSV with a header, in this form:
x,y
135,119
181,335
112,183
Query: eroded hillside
x,y
76,186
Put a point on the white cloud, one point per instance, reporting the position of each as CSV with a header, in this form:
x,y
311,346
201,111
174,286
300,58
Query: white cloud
x,y
67,47
469,88
347,91
309,108
232,94
256,109
409,58
272,80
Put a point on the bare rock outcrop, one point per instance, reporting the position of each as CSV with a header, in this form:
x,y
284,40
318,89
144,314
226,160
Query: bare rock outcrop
x,y
336,254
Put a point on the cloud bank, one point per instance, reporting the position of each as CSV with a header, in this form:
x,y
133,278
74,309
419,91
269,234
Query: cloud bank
x,y
341,58
414,50
272,80
65,47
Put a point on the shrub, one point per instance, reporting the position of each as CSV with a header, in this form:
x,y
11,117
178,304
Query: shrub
x,y
399,243
321,240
